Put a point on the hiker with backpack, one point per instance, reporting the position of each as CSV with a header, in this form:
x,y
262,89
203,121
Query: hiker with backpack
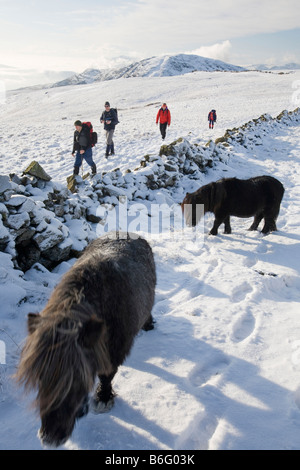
x,y
164,119
109,118
212,117
84,140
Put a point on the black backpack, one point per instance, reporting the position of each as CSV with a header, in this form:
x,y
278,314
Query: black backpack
x,y
116,111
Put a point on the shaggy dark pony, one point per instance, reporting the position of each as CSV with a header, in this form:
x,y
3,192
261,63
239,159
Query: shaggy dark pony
x,y
87,329
259,197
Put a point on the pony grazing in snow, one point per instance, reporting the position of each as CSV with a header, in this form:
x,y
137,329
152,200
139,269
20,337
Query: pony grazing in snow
x,y
259,196
87,329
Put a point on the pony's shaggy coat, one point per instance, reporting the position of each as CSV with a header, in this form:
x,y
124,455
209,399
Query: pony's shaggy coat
x,y
87,329
259,196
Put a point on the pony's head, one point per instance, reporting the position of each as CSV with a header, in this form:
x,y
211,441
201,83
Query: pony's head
x,y
60,359
198,203
193,208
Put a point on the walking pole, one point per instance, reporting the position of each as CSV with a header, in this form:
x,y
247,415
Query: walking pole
x,y
81,166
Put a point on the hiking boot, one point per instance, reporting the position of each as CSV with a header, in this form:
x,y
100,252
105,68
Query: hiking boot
x,y
76,170
94,169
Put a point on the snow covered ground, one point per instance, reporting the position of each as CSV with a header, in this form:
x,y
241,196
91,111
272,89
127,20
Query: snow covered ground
x,y
221,369
38,125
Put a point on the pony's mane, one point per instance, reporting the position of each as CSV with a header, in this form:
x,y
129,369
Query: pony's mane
x,y
53,357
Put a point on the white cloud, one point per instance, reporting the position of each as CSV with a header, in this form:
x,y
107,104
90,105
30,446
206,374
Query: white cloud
x,y
156,25
289,58
124,31
219,51
153,27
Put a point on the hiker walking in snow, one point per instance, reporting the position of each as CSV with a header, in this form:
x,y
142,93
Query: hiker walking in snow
x,y
83,147
164,119
110,119
212,117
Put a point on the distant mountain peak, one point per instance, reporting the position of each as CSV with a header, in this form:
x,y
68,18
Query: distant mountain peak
x,y
158,66
290,66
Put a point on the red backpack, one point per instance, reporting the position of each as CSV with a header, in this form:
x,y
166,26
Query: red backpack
x,y
93,135
212,115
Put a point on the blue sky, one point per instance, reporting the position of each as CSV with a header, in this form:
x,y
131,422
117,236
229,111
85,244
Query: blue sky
x,y
73,35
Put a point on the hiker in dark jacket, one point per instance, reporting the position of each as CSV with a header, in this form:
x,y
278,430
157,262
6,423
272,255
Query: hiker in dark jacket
x,y
164,119
212,117
110,119
83,147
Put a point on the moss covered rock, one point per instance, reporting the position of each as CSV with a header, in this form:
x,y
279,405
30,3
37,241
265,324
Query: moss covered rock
x,y
35,169
168,150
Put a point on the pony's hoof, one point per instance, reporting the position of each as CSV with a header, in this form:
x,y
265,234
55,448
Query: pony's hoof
x,y
98,407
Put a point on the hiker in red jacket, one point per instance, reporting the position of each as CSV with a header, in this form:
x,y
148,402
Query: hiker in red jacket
x,y
212,117
164,119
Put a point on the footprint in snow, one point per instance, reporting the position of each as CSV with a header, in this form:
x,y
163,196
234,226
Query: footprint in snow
x,y
262,248
243,327
249,262
208,370
198,433
240,292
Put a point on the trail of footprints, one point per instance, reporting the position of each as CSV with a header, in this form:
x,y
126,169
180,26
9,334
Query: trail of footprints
x,y
204,377
245,324
213,366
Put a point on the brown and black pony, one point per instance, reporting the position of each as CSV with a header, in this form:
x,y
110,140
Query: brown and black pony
x,y
87,329
259,196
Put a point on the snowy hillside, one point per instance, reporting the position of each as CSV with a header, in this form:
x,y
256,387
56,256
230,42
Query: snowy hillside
x,y
221,368
162,66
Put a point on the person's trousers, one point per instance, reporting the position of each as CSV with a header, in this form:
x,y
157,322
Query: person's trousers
x,y
88,156
109,137
163,128
110,149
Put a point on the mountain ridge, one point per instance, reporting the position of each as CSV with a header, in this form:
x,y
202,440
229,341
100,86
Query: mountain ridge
x,y
264,67
157,66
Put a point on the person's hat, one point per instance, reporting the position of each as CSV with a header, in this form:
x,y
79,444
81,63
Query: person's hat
x,y
77,123
106,103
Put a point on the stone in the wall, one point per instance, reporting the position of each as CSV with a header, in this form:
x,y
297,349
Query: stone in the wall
x,y
17,221
5,184
27,256
73,182
50,236
4,236
59,252
35,169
